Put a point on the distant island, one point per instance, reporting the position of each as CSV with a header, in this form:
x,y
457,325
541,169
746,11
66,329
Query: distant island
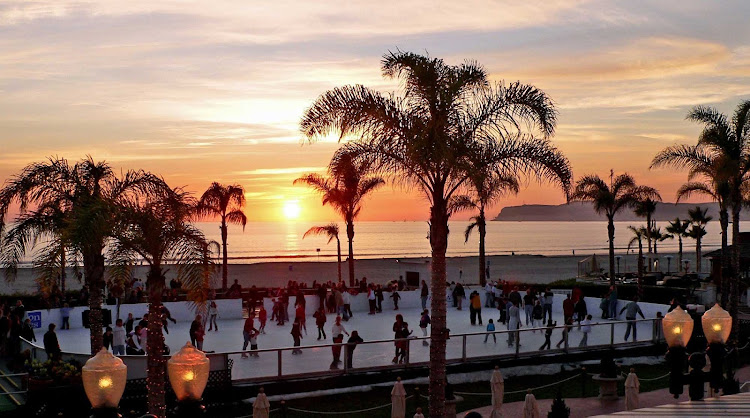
x,y
584,211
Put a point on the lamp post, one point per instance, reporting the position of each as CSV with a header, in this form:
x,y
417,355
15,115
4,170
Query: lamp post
x,y
678,327
104,377
717,325
618,257
188,374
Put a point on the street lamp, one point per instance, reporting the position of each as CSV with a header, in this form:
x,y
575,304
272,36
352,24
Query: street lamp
x,y
104,377
678,327
717,325
188,374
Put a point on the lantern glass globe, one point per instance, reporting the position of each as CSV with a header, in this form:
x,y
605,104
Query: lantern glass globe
x,y
104,377
188,371
717,325
678,327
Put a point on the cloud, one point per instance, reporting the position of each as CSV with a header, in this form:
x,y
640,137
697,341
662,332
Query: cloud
x,y
280,171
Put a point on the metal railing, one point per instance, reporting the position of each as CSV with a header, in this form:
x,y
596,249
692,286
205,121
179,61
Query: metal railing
x,y
316,360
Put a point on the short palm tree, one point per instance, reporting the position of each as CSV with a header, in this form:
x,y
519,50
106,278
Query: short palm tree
x,y
487,186
226,202
345,188
646,209
427,137
155,230
639,234
90,193
332,232
658,236
610,199
698,219
679,228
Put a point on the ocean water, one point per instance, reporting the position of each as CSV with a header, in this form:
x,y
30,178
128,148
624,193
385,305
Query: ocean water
x,y
271,241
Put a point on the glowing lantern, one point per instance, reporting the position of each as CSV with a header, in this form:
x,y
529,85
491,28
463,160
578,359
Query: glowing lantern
x,y
104,377
188,373
717,325
678,327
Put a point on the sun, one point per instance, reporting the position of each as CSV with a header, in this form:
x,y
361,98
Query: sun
x,y
291,209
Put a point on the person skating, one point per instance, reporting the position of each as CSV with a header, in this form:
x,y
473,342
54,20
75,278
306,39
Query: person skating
x,y
514,322
254,343
193,329
537,315
371,299
490,331
424,321
299,315
247,330
402,346
119,339
581,310
631,310
337,332
424,294
586,329
320,322
460,294
396,297
568,309
379,298
565,333
548,335
475,308
528,307
297,336
351,344
262,317
549,297
213,313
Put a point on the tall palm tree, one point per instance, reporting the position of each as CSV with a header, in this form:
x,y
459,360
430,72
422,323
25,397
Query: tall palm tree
x,y
427,136
332,232
678,228
610,199
726,142
345,188
157,229
707,176
645,209
89,192
698,218
226,202
639,234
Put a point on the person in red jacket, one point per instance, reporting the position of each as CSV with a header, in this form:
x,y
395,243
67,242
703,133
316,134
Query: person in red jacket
x,y
262,317
568,309
299,316
247,331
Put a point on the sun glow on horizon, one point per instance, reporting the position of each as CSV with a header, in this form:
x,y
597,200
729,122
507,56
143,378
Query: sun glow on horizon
x,y
291,209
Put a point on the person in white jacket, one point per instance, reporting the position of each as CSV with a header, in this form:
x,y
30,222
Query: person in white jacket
x,y
118,339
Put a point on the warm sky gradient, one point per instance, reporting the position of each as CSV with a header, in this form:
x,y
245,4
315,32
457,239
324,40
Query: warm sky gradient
x,y
213,91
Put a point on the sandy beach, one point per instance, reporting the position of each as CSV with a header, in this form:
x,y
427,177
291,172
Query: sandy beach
x,y
524,268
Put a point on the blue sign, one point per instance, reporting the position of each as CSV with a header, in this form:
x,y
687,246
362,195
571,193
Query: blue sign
x,y
36,318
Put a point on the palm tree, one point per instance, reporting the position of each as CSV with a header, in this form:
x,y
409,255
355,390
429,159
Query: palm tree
x,y
646,209
332,232
638,235
679,228
157,229
726,143
346,186
226,202
698,218
426,137
609,200
89,193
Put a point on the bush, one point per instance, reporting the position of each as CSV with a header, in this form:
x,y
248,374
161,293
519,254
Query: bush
x,y
559,409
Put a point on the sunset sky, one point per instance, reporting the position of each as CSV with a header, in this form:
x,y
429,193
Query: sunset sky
x,y
213,91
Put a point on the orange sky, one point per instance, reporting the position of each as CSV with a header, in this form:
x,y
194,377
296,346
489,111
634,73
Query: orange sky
x,y
202,94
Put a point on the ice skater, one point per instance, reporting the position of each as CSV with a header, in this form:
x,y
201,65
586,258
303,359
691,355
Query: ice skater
x,y
424,321
565,332
396,297
351,344
490,331
548,335
213,313
297,336
262,317
586,329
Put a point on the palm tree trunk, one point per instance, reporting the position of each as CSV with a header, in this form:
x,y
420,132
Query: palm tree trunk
x,y
155,384
350,237
698,255
648,237
611,235
338,253
725,258
225,260
62,271
679,254
93,268
735,281
438,332
482,226
640,269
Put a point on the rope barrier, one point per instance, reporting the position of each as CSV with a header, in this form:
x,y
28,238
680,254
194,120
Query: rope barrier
x,y
344,412
523,390
648,380
251,415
